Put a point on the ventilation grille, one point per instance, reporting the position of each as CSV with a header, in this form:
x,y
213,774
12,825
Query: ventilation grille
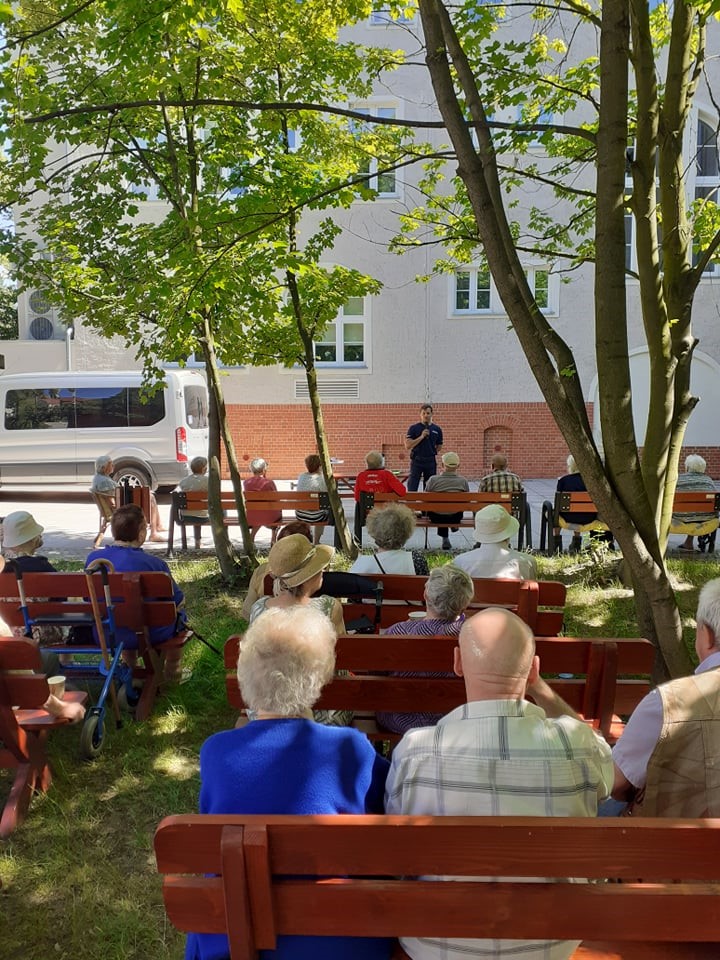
x,y
330,390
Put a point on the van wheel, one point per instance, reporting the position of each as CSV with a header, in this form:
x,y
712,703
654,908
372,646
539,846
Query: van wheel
x,y
136,476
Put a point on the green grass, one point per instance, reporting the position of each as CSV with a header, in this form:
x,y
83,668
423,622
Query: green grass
x,y
78,878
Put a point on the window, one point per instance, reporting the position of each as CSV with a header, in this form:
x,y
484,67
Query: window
x,y
383,18
475,293
344,340
384,183
84,408
707,178
196,407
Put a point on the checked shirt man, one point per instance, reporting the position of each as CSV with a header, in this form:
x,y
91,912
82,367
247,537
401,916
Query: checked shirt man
x,y
499,755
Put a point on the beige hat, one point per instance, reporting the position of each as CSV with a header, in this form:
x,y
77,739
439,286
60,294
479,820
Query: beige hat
x,y
294,560
451,459
494,524
18,528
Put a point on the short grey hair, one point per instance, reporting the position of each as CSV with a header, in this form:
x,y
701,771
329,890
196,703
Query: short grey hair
x,y
448,591
694,463
708,608
198,464
391,526
374,460
258,465
102,462
286,658
572,467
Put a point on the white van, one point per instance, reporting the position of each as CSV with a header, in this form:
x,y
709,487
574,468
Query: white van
x,y
56,424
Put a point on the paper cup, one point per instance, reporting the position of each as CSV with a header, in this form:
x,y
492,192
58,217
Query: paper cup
x,y
57,686
417,615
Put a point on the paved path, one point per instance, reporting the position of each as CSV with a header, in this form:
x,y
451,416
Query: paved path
x,y
70,528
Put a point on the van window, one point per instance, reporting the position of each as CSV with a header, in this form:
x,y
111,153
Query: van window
x,y
196,414
108,407
39,410
85,408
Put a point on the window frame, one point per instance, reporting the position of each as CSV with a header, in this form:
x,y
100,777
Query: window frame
x,y
340,322
495,307
373,106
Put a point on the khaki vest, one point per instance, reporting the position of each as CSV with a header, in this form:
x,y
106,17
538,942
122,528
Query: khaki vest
x,y
684,768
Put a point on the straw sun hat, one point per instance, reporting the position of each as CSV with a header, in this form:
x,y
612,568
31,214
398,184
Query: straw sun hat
x,y
20,527
294,560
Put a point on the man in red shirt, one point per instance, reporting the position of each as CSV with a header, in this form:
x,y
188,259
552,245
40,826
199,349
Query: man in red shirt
x,y
376,479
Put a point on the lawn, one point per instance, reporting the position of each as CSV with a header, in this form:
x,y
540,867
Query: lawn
x,y
78,878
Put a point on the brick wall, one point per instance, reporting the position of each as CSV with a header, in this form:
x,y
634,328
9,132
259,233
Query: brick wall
x,y
283,434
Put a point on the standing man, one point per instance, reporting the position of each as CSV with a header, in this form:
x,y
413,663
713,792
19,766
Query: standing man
x,y
499,755
424,440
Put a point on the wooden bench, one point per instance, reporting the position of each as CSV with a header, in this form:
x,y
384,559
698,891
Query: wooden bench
x,y
590,684
275,501
700,502
24,731
247,876
515,503
141,601
540,603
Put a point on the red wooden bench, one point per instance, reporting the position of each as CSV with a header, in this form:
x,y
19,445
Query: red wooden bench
x,y
142,600
422,502
24,727
274,501
591,687
540,603
247,876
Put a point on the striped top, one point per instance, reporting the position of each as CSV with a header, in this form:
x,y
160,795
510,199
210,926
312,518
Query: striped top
x,y
429,627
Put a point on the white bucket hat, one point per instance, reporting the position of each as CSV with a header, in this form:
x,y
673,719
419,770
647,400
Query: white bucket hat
x,y
20,527
494,524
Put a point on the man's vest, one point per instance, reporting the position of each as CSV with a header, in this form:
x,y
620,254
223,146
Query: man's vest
x,y
683,777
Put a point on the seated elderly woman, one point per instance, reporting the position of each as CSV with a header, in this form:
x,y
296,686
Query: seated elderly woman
x,y
694,524
391,527
284,763
448,592
21,538
258,580
104,486
297,568
125,554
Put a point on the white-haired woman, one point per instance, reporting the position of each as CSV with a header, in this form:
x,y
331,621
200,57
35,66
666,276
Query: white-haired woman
x,y
448,592
284,763
693,480
573,482
104,485
391,527
259,482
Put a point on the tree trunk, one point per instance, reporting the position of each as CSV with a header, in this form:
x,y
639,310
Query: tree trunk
x,y
342,532
223,547
213,374
619,493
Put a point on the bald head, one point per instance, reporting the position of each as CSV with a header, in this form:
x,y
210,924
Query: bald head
x,y
496,655
499,461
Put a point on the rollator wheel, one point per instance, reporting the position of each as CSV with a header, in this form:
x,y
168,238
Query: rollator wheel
x,y
92,737
125,702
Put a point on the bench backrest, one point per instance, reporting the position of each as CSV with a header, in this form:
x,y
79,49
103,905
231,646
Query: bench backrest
x,y
696,501
247,876
140,599
446,502
25,690
591,689
540,603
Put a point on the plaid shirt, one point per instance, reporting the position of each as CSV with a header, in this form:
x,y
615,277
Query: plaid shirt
x,y
498,758
500,481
